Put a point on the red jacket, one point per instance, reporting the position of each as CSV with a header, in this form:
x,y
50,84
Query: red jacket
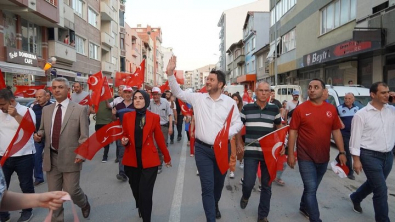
x,y
149,155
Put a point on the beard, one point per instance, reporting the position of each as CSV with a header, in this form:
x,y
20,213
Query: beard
x,y
214,89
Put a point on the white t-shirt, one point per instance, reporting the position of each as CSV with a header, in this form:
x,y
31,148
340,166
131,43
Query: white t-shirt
x,y
291,105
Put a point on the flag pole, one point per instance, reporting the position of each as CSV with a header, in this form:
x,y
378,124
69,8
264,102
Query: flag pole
x,y
266,135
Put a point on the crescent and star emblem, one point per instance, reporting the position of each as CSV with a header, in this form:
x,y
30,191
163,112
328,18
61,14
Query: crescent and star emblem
x,y
96,80
31,90
84,102
116,134
20,136
275,147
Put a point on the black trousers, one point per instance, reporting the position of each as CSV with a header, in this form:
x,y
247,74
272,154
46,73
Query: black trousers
x,y
180,120
142,182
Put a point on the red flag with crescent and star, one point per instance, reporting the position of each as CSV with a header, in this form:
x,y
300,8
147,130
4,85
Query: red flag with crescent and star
x,y
22,136
101,138
27,91
100,89
247,98
137,78
164,87
86,100
221,144
184,108
2,82
122,78
271,145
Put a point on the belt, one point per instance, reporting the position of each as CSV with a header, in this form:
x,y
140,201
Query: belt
x,y
54,151
376,152
204,144
165,125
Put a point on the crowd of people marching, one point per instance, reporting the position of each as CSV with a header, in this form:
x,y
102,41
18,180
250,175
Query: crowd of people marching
x,y
364,138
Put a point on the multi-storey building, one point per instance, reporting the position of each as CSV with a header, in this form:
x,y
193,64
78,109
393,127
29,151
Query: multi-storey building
x,y
196,78
24,33
133,47
230,25
188,79
148,55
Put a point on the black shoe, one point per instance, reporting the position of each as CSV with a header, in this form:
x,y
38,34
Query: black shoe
x,y
263,219
25,216
104,160
351,177
356,206
122,177
179,139
171,141
217,213
5,219
87,209
139,213
159,171
116,160
304,213
243,203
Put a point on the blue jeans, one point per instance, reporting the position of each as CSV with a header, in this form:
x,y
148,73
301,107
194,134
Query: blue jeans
x,y
376,166
312,174
121,151
250,170
211,179
38,162
23,166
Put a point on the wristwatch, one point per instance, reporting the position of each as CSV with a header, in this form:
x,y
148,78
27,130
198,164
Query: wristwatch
x,y
344,153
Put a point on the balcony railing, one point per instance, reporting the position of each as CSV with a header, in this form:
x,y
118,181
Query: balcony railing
x,y
107,67
63,52
107,40
106,12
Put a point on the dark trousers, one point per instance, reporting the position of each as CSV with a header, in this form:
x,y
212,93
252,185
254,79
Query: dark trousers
x,y
23,166
172,134
142,182
106,148
250,169
180,121
38,162
377,167
188,136
120,152
211,179
346,142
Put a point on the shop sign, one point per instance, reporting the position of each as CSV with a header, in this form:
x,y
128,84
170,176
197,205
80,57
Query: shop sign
x,y
344,49
21,57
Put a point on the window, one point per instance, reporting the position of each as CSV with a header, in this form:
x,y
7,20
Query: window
x,y
93,51
252,65
114,60
261,62
80,45
122,44
281,8
288,41
336,14
253,43
92,17
121,18
31,37
248,67
78,7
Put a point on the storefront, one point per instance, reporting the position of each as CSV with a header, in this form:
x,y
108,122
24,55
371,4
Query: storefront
x,y
248,80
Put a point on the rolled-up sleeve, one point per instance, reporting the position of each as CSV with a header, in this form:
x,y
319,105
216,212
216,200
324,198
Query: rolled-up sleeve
x,y
356,134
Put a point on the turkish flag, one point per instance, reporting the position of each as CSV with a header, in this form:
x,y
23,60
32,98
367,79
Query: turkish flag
x,y
221,145
86,101
102,137
22,136
122,78
184,108
271,145
247,98
164,87
203,89
27,91
96,82
106,91
2,82
137,78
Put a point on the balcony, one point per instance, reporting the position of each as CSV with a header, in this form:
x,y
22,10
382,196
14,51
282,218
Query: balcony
x,y
123,52
63,52
106,12
122,30
68,13
107,67
107,40
240,60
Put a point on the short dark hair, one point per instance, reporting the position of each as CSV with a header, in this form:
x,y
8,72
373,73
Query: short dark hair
x,y
271,90
220,76
322,82
375,86
349,81
6,94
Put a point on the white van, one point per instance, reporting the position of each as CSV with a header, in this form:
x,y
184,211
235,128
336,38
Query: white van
x,y
337,93
284,92
235,88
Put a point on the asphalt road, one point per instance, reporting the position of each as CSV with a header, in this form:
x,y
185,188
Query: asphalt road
x,y
177,194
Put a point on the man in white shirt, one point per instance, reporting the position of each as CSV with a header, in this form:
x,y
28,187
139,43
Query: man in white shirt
x,y
21,162
291,105
371,143
210,110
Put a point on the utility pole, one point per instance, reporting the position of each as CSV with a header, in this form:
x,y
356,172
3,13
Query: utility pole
x,y
275,44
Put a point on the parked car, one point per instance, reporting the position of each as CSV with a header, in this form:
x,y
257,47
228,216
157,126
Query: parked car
x,y
25,101
284,92
337,93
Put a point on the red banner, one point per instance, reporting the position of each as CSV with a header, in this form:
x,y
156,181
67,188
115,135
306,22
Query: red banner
x,y
2,82
221,144
271,145
22,136
137,78
184,108
27,91
102,137
122,78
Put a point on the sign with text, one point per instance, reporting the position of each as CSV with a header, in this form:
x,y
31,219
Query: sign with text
x,y
21,57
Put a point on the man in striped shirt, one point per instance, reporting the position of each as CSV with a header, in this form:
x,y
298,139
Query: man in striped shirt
x,y
260,118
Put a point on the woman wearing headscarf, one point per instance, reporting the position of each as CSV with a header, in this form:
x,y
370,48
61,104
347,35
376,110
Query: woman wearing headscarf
x,y
141,127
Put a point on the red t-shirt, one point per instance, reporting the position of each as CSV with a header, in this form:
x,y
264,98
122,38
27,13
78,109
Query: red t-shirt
x,y
314,124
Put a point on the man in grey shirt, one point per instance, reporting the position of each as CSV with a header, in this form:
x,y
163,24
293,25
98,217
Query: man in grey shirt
x,y
78,94
161,107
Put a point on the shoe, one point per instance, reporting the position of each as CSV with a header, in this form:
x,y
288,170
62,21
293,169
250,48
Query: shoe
x,y
231,175
356,206
263,219
36,183
217,213
259,188
241,165
122,177
104,160
171,141
241,181
87,209
243,203
197,172
139,213
116,160
351,177
192,155
179,139
25,216
159,171
6,219
304,213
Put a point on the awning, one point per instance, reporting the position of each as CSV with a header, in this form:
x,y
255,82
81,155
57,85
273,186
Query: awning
x,y
246,78
81,79
272,48
21,69
62,72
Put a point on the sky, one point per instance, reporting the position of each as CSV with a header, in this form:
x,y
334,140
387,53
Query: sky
x,y
188,26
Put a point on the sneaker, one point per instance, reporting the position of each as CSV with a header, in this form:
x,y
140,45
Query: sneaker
x,y
171,141
5,219
243,203
197,172
231,175
36,183
192,155
241,165
179,139
104,160
304,213
25,216
356,206
351,177
159,171
241,181
259,188
122,177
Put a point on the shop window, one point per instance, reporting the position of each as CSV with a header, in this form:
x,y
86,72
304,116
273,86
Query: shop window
x,y
31,37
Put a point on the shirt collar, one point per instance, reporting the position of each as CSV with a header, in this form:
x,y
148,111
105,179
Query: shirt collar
x,y
370,107
221,97
64,103
352,106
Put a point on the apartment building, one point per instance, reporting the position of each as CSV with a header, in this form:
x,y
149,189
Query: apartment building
x,y
196,78
188,79
133,46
